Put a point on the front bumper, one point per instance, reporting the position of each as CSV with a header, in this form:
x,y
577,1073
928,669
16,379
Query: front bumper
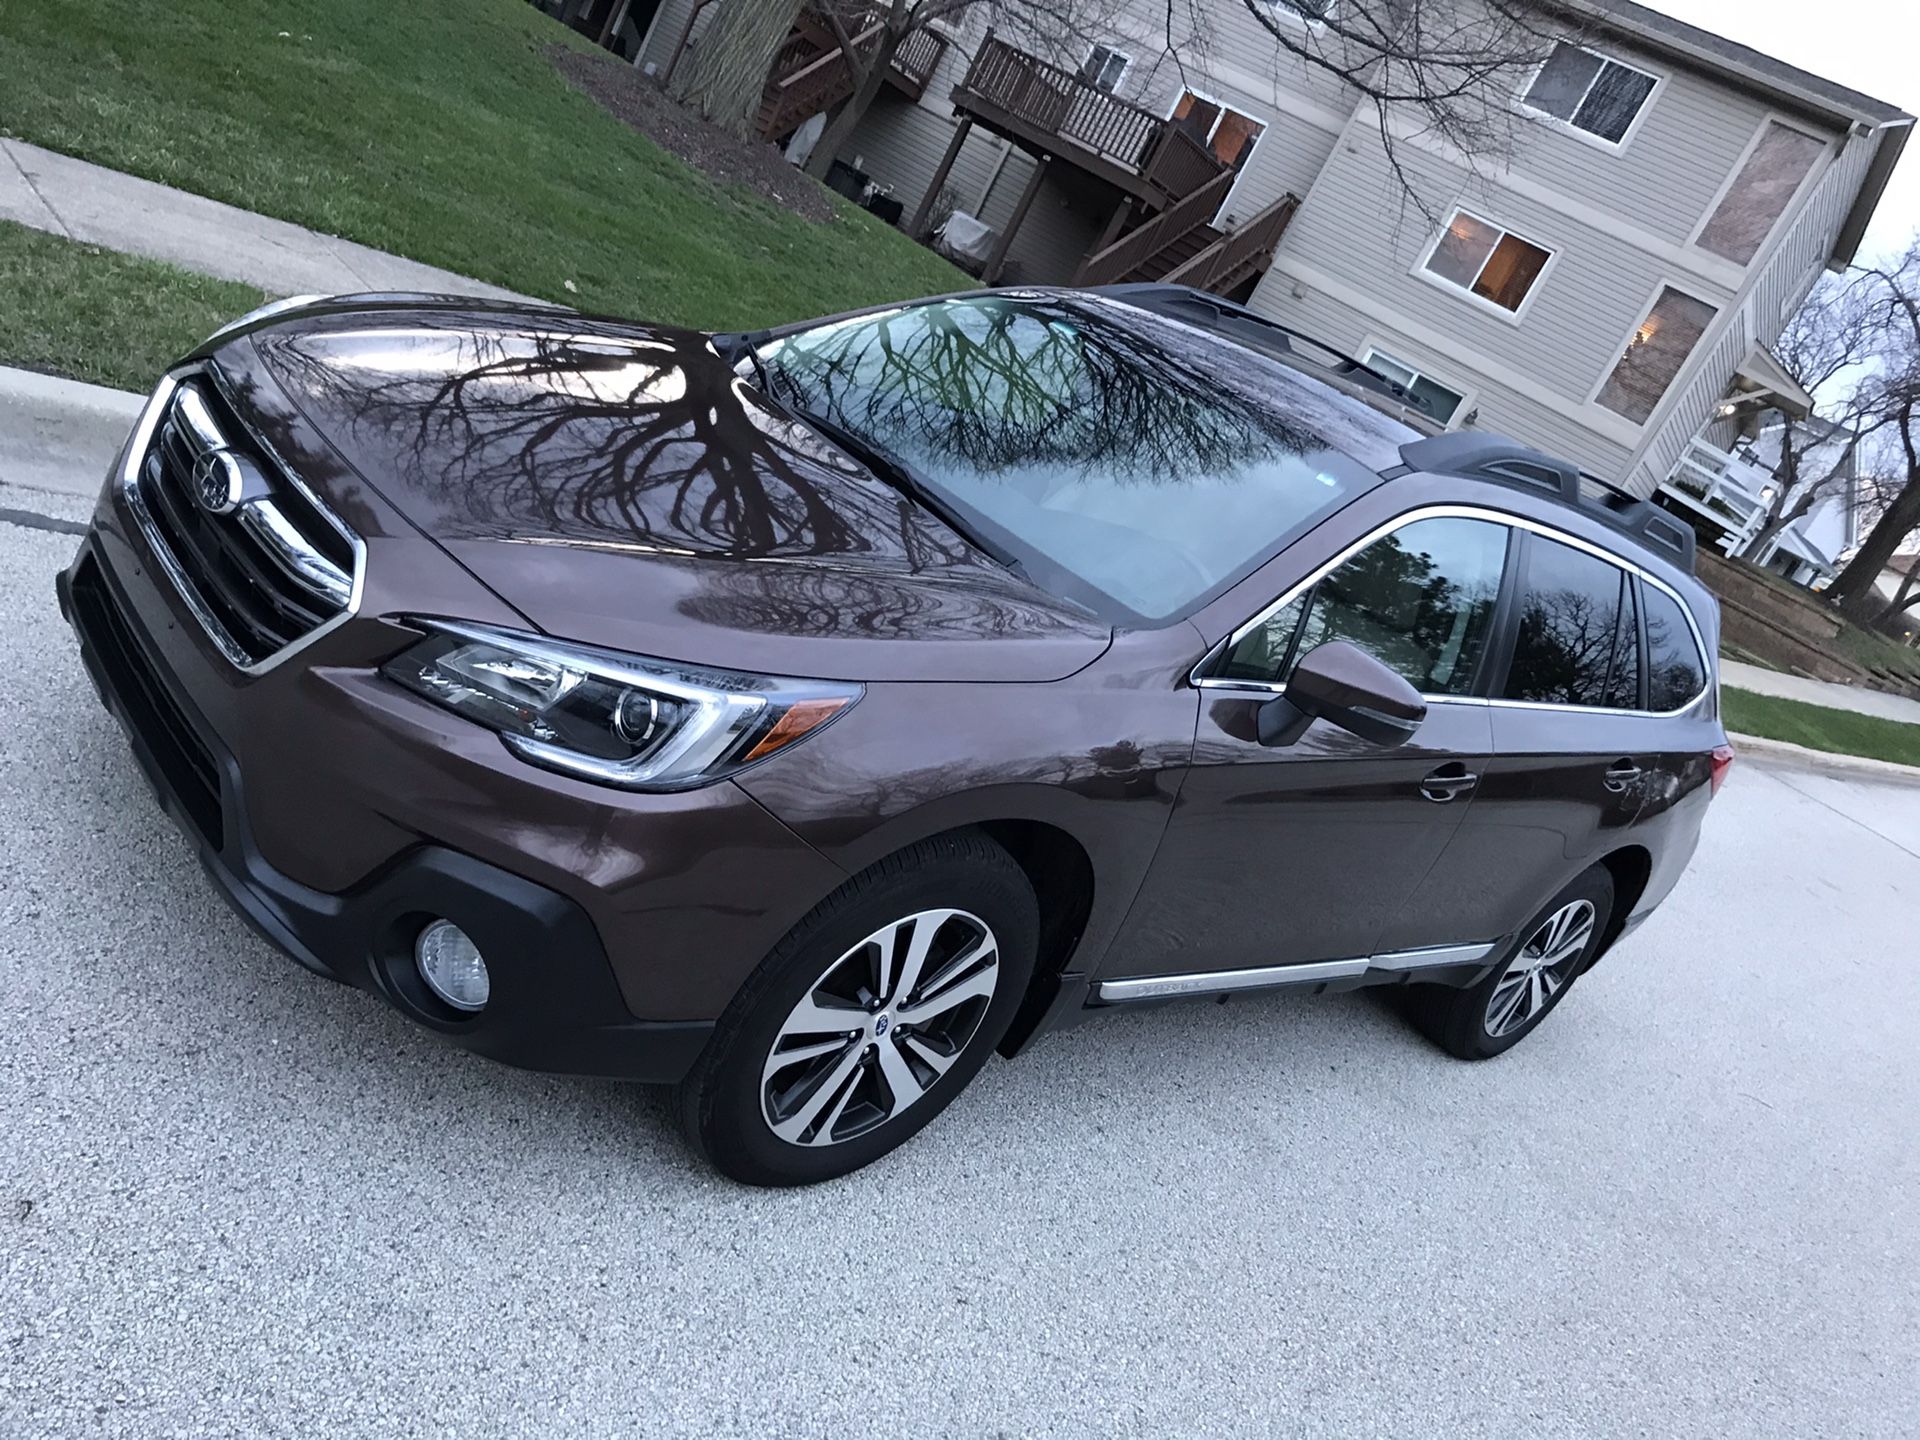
x,y
556,1004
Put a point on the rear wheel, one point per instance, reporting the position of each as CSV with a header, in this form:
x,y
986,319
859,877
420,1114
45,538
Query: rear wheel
x,y
1493,1016
868,1019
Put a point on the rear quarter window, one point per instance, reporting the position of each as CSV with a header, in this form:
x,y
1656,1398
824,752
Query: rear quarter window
x,y
1567,648
1676,671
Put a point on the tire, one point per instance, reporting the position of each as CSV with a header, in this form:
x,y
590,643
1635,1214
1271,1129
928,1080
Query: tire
x,y
788,1093
1471,1024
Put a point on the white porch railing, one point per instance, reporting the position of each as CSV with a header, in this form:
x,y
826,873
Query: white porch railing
x,y
1722,488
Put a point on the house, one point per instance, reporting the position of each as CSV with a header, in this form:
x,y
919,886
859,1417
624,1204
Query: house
x,y
1603,293
1726,494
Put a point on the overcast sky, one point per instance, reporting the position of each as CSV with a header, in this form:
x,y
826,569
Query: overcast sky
x,y
1871,45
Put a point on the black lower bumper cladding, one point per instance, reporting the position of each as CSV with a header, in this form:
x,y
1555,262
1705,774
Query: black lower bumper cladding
x,y
554,1003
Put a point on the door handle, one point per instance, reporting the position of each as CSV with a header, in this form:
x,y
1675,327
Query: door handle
x,y
1621,774
1449,780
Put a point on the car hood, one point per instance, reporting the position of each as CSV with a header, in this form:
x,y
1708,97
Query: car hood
x,y
619,485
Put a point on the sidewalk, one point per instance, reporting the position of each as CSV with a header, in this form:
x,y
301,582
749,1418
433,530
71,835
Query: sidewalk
x,y
91,203
1818,692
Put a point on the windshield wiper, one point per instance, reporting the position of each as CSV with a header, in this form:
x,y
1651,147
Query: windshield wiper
x,y
904,478
882,461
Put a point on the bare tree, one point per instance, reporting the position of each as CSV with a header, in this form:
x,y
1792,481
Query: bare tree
x,y
724,76
1825,348
1891,394
1446,70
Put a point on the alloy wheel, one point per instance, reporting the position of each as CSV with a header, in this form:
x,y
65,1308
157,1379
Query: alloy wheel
x,y
1542,968
879,1027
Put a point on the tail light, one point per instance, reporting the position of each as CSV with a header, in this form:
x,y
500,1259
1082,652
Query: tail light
x,y
1722,759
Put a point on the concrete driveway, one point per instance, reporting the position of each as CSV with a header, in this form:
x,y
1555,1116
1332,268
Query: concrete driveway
x,y
237,1200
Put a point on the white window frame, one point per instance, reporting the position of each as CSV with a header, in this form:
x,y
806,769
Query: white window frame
x,y
1512,317
1281,10
1787,213
1469,399
1707,337
1114,52
1567,126
1266,129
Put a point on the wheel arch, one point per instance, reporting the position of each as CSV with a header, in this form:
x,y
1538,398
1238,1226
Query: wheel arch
x,y
1631,867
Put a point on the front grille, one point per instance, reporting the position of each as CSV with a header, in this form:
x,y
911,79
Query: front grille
x,y
258,559
185,764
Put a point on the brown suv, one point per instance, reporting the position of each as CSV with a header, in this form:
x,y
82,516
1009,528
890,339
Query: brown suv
x,y
799,716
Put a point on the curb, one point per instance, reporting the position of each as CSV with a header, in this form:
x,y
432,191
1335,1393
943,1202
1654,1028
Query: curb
x,y
1755,747
30,386
60,435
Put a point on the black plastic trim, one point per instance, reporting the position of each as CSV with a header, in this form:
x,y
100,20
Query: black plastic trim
x,y
555,1004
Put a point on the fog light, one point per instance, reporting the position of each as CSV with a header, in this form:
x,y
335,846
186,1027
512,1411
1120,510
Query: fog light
x,y
450,963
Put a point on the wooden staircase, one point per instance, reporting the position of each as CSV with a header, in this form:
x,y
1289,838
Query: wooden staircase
x,y
1182,246
810,74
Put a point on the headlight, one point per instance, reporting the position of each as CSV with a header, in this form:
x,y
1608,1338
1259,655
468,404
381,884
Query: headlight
x,y
619,719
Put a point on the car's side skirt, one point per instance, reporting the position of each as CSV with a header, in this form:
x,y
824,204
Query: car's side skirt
x,y
1394,964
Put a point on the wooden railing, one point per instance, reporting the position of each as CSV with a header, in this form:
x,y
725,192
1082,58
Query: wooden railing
x,y
1133,249
1180,164
1058,102
1238,253
918,57
800,86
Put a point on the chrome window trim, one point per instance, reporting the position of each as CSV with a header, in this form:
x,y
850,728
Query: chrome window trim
x,y
128,483
1464,512
1268,977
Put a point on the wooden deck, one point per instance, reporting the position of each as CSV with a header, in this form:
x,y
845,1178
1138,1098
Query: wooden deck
x,y
1048,110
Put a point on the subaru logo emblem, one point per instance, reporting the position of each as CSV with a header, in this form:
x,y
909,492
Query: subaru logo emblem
x,y
217,481
880,1026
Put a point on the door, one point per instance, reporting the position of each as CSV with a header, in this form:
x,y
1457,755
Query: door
x,y
1571,769
1301,853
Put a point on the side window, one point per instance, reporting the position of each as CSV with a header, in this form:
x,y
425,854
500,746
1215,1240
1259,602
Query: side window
x,y
1675,672
1420,600
1563,649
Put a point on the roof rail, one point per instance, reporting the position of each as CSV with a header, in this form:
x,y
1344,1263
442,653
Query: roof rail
x,y
1495,458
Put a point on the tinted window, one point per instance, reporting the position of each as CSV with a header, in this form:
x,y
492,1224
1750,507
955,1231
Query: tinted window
x,y
1675,672
1569,625
1623,690
1119,457
1420,600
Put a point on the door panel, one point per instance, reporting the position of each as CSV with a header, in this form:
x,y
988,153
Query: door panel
x,y
1570,773
1545,809
1297,853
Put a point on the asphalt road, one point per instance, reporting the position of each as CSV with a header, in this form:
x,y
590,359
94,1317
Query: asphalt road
x,y
238,1200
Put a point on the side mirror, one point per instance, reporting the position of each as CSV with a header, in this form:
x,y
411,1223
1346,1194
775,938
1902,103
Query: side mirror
x,y
1345,686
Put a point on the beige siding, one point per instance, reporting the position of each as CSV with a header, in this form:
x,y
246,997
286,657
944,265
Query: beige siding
x,y
1356,226
666,34
900,145
1778,282
1492,405
1690,136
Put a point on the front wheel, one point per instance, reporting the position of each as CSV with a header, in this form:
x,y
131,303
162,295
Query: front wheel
x,y
1493,1016
869,1018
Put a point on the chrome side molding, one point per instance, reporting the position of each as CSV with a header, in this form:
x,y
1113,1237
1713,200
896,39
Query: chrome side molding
x,y
1273,977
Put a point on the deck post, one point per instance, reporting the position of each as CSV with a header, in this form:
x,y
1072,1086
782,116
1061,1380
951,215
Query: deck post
x,y
1107,236
917,228
998,261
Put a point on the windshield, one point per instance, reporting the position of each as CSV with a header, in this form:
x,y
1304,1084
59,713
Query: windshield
x,y
1123,459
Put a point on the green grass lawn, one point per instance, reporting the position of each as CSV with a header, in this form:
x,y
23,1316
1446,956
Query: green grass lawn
x,y
92,314
439,130
1840,732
